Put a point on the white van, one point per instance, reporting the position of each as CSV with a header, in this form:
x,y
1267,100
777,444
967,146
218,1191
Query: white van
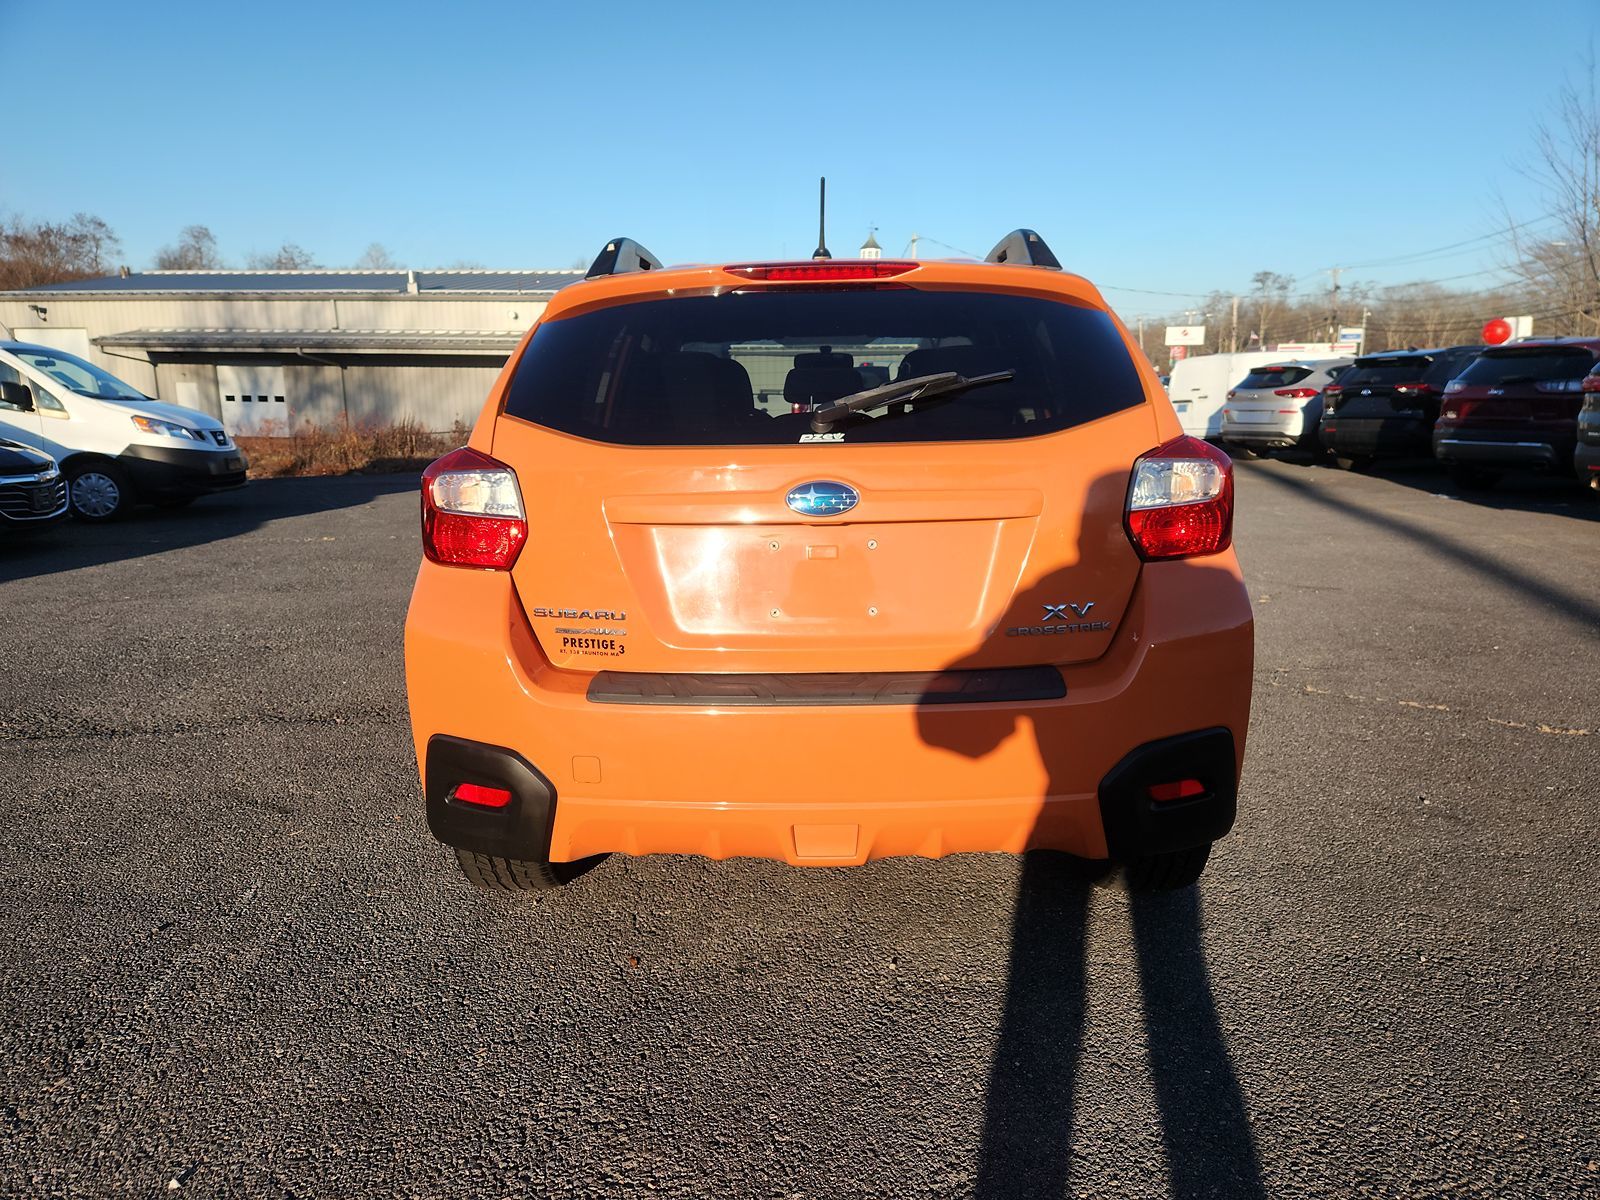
x,y
115,445
1199,386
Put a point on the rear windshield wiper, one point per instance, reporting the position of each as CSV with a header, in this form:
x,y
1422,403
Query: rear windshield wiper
x,y
923,387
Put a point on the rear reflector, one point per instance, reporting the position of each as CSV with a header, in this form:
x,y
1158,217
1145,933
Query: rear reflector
x,y
472,512
492,797
1180,500
1182,789
823,272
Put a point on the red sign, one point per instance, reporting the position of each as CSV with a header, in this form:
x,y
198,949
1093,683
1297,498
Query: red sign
x,y
1179,352
1497,331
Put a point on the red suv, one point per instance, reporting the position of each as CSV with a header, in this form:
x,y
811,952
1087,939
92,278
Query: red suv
x,y
1515,406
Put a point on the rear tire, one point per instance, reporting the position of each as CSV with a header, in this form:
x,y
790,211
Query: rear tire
x,y
493,874
1471,479
1166,872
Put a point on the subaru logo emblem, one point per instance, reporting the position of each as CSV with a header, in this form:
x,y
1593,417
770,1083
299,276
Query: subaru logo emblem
x,y
822,498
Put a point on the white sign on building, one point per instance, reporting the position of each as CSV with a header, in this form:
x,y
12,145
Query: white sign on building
x,y
1186,335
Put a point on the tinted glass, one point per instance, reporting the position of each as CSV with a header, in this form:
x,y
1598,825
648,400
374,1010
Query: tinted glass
x,y
746,368
1532,365
1274,377
1387,372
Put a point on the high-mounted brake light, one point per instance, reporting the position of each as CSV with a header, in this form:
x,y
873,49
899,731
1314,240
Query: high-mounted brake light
x,y
1180,500
823,272
472,512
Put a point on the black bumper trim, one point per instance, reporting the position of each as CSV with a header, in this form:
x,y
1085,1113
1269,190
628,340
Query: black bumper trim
x,y
1136,825
520,830
163,471
1000,685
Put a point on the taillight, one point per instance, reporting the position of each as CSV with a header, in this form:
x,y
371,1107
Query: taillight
x,y
1591,383
1454,386
823,272
1330,397
1180,500
472,512
1296,393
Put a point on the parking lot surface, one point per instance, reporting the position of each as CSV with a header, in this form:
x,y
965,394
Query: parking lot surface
x,y
236,963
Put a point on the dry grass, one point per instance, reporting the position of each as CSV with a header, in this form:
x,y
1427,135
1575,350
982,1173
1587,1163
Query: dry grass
x,y
347,448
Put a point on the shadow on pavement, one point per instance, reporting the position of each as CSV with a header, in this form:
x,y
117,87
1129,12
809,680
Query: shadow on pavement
x,y
72,545
1028,1115
1582,610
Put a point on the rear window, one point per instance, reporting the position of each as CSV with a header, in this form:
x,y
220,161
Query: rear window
x,y
1274,377
1387,371
746,368
1531,365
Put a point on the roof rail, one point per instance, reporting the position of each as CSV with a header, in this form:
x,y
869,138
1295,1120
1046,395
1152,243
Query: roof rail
x,y
1024,248
620,256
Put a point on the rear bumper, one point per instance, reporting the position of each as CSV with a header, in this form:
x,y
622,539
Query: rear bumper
x,y
1377,436
1586,460
159,471
1282,432
830,785
1507,450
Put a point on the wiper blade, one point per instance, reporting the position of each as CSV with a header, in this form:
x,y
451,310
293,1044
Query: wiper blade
x,y
923,387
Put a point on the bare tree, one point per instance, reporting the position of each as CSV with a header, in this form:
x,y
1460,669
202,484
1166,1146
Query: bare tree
x,y
287,257
377,258
36,254
1561,270
196,251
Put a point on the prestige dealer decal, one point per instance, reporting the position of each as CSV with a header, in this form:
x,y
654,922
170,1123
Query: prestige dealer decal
x,y
601,640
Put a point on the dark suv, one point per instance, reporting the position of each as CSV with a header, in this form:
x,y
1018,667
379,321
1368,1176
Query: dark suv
x,y
1586,459
1515,406
1385,405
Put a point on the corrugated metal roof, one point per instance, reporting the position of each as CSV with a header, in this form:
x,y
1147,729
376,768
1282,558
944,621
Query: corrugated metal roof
x,y
367,341
428,283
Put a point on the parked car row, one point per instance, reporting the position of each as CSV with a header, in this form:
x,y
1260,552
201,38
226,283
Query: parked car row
x,y
1479,410
106,446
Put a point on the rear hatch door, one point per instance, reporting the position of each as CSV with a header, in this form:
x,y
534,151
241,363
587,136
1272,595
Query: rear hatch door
x,y
684,519
1508,388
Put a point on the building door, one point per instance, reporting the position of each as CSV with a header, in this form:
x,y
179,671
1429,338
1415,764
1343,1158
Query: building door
x,y
253,401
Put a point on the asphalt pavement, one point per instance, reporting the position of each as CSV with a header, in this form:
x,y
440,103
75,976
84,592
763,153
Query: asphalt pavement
x,y
235,964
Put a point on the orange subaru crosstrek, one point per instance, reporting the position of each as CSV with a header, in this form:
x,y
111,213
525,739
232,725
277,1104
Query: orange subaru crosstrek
x,y
828,561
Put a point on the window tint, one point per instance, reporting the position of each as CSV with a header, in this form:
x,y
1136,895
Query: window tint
x,y
1386,372
1274,377
746,368
1531,365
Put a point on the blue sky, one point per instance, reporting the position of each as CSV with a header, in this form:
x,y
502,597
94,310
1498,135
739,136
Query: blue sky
x,y
1172,147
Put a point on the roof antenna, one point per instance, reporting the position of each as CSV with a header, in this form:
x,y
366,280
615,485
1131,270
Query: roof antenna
x,y
822,222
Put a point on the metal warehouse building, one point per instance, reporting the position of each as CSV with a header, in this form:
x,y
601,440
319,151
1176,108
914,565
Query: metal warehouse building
x,y
267,351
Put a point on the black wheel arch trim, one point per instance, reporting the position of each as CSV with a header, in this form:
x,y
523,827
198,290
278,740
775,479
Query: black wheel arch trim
x,y
520,830
1137,826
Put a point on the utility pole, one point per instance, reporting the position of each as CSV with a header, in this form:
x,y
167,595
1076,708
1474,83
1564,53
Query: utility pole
x,y
1333,327
1233,338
